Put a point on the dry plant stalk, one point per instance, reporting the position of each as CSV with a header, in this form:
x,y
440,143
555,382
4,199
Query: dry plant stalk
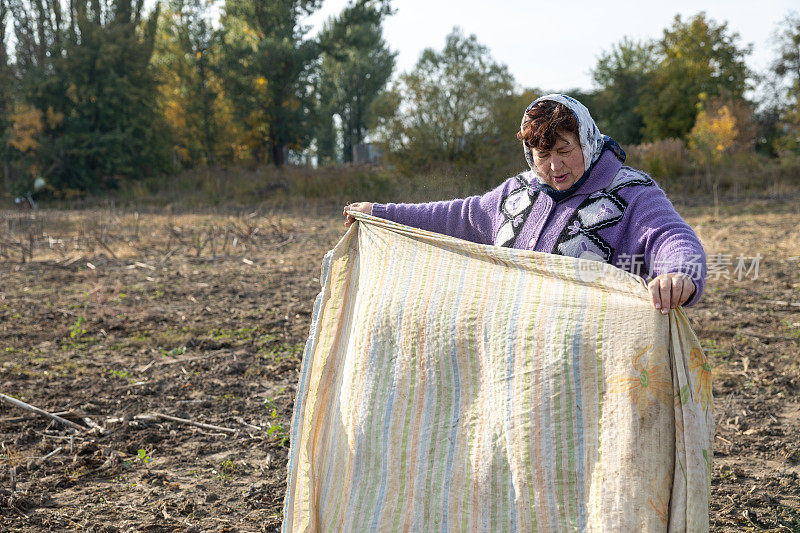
x,y
33,409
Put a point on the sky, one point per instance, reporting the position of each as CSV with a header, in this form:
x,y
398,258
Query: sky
x,y
554,45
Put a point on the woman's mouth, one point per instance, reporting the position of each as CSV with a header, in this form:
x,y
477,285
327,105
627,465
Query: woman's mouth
x,y
560,179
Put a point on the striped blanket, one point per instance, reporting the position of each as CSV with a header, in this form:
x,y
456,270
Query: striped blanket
x,y
448,385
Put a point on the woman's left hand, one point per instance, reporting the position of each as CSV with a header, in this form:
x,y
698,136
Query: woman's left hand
x,y
668,291
361,207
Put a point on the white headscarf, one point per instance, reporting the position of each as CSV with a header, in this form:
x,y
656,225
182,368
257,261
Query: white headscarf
x,y
592,141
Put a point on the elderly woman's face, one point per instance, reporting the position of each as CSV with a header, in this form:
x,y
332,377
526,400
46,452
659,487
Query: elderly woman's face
x,y
562,166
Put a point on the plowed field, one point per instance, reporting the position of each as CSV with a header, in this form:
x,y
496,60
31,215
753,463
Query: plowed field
x,y
116,318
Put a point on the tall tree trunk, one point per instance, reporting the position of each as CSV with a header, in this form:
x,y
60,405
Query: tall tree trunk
x,y
55,8
358,119
73,14
41,34
208,136
347,137
277,154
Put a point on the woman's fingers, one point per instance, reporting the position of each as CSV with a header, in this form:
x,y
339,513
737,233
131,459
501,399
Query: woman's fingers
x,y
655,293
361,207
665,290
682,288
688,290
677,289
349,219
668,291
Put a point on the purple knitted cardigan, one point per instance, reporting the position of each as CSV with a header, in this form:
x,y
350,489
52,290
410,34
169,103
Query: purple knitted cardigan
x,y
618,215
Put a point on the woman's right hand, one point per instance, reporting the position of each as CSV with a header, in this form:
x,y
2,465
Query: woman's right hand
x,y
361,207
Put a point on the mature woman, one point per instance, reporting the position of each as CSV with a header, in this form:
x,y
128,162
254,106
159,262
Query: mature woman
x,y
577,200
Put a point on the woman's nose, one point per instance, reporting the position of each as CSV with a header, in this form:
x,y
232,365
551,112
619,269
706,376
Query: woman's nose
x,y
555,163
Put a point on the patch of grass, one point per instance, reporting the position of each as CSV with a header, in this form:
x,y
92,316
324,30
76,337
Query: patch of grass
x,y
78,340
142,457
282,351
81,345
76,330
220,333
174,336
276,428
176,332
228,469
140,336
173,352
240,333
262,340
122,374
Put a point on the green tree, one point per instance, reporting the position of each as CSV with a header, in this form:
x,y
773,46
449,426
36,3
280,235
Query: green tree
x,y
501,154
40,29
325,131
622,75
85,70
713,138
697,57
446,104
110,128
787,64
186,55
268,66
356,64
787,68
6,97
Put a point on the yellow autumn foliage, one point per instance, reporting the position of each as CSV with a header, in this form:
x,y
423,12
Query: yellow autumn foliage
x,y
713,136
53,118
26,129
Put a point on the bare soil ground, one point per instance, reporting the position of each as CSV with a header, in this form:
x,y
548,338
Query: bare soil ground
x,y
117,317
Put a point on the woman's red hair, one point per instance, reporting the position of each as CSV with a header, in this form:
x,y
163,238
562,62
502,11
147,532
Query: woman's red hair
x,y
543,123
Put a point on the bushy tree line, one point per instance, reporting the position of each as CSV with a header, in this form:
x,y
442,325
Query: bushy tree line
x,y
77,92
98,91
786,68
93,92
688,92
258,87
668,88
